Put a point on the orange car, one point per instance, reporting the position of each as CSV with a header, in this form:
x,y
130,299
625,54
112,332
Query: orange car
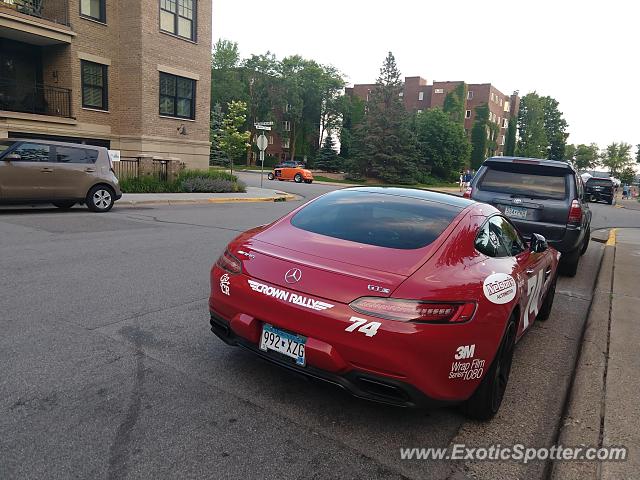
x,y
291,171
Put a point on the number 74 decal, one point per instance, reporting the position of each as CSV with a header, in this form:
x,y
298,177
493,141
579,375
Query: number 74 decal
x,y
364,326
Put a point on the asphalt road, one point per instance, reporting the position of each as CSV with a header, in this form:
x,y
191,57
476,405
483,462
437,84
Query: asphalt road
x,y
109,369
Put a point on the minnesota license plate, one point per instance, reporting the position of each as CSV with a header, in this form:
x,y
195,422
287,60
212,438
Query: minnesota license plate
x,y
516,212
283,342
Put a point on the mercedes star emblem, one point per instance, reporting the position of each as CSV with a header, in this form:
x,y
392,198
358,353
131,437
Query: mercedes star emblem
x,y
292,276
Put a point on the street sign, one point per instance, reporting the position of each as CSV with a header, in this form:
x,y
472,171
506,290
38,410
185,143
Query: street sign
x,y
262,142
262,127
268,124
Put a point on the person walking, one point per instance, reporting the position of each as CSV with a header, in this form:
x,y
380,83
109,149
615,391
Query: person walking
x,y
461,183
625,192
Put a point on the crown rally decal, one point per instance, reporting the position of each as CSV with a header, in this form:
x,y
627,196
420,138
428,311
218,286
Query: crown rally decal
x,y
289,297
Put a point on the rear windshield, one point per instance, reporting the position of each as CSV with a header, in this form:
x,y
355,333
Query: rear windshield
x,y
600,182
528,181
382,220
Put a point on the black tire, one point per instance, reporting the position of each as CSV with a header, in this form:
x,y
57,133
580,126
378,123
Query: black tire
x,y
270,176
610,201
545,309
64,205
308,181
486,400
585,244
569,263
297,178
100,199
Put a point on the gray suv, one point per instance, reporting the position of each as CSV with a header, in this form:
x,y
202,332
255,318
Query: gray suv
x,y
40,171
539,196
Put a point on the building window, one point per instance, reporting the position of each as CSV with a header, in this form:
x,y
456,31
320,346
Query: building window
x,y
177,96
492,96
470,95
421,96
285,143
467,114
438,90
94,85
93,9
270,139
286,126
401,94
178,17
500,102
498,122
287,107
419,111
502,140
506,106
505,122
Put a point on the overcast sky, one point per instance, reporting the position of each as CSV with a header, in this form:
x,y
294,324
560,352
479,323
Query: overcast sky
x,y
585,54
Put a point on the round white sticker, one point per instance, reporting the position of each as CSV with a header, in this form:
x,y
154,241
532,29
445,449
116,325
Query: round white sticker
x,y
499,288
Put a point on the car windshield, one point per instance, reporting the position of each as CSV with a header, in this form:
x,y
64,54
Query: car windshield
x,y
383,220
599,182
5,146
529,181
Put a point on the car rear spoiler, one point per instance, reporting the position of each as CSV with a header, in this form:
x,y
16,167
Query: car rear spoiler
x,y
528,161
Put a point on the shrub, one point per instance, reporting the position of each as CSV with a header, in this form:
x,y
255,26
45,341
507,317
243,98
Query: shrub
x,y
213,181
211,185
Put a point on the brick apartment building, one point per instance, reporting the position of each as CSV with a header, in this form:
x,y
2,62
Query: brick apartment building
x,y
130,75
418,95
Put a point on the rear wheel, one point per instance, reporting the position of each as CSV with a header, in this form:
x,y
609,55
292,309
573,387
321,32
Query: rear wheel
x,y
487,398
298,178
64,205
569,263
585,244
100,199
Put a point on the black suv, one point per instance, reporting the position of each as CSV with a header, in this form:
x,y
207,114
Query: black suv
x,y
600,189
539,196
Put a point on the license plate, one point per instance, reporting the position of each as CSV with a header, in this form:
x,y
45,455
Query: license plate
x,y
517,212
286,343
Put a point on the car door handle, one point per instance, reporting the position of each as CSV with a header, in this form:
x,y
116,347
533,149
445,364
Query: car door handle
x,y
46,170
529,271
90,170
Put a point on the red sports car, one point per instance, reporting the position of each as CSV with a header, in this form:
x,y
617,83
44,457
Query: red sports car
x,y
401,296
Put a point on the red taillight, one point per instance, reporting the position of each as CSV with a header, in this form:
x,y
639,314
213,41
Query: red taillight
x,y
414,310
467,192
575,214
229,263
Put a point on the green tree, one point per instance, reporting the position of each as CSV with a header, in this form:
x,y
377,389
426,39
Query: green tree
x,y
586,156
384,147
510,142
569,153
628,175
327,158
226,78
533,140
442,144
234,142
480,136
216,155
638,153
555,128
616,157
455,103
352,111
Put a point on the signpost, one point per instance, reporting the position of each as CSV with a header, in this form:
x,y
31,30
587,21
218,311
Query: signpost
x,y
262,143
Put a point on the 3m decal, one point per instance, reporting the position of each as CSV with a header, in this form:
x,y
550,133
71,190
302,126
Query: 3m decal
x,y
289,297
499,288
363,326
534,292
465,351
224,284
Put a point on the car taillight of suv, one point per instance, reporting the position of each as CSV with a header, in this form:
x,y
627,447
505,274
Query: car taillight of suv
x,y
575,213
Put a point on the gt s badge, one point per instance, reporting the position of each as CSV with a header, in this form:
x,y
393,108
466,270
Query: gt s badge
x,y
248,255
376,288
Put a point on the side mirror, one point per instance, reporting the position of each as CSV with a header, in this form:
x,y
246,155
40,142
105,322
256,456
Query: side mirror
x,y
538,243
12,157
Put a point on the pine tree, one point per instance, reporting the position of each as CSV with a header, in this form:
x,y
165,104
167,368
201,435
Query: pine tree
x,y
480,136
384,146
216,155
327,158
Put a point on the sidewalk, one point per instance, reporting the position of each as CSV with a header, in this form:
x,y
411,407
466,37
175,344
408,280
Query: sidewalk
x,y
603,406
253,194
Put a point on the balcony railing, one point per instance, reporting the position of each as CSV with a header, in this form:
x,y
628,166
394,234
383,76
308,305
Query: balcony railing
x,y
53,10
34,98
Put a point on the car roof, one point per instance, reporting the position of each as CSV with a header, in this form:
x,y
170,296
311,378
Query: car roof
x,y
531,161
418,194
51,142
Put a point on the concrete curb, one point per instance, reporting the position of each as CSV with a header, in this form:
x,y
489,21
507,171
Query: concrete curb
x,y
285,197
582,422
